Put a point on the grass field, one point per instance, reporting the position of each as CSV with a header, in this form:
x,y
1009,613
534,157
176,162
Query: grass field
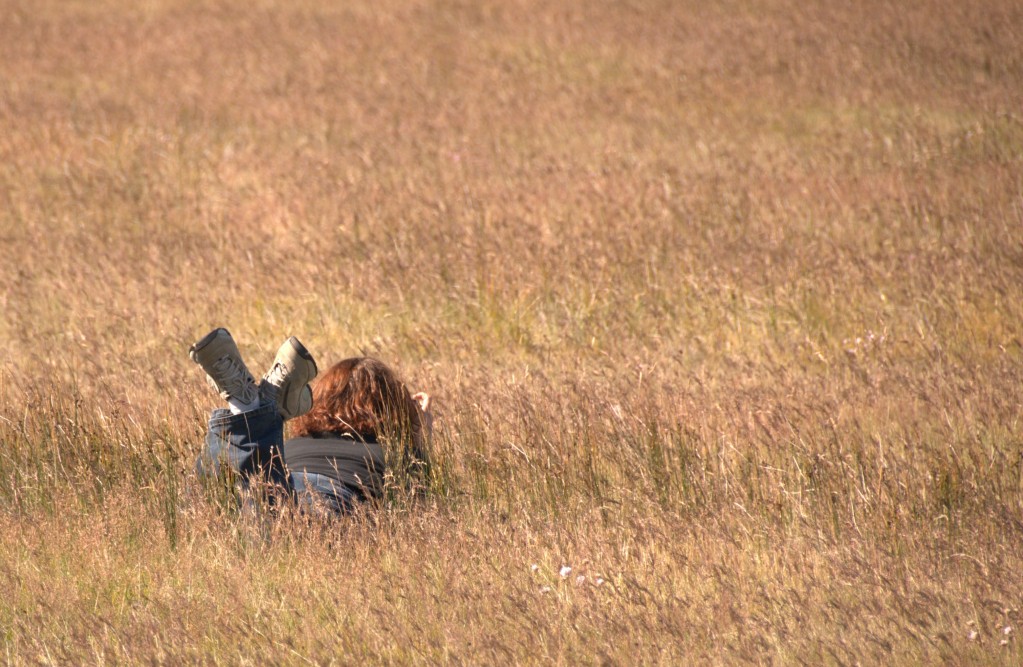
x,y
720,305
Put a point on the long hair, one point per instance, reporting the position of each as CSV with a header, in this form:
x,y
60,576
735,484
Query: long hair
x,y
364,398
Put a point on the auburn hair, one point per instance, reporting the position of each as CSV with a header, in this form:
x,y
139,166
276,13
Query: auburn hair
x,y
364,398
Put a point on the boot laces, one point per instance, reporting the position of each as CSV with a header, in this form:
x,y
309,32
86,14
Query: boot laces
x,y
276,375
232,380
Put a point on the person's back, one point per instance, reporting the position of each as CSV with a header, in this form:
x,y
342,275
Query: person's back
x,y
335,469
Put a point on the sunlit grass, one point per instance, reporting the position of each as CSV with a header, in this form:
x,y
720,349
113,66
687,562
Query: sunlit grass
x,y
719,306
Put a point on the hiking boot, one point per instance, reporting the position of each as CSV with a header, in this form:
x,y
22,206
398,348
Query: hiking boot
x,y
218,355
287,381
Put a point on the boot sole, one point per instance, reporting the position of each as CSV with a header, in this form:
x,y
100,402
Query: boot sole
x,y
304,353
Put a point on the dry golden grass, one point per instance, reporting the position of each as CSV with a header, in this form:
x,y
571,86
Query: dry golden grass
x,y
721,307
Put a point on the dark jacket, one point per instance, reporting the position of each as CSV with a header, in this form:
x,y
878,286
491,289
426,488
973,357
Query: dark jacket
x,y
357,465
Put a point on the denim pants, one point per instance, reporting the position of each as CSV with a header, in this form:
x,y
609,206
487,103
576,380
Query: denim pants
x,y
248,446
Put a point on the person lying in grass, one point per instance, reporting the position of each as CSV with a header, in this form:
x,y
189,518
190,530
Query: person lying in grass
x,y
354,430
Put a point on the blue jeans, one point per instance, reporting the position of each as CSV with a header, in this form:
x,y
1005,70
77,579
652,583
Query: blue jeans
x,y
248,446
322,494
